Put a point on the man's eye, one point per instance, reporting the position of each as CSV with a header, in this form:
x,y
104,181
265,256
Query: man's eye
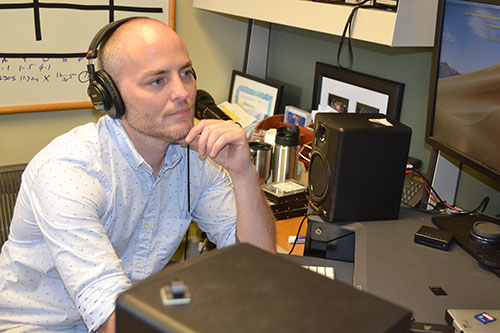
x,y
187,73
156,82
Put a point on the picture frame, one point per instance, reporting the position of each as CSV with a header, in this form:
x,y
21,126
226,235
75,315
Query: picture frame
x,y
255,95
296,116
351,91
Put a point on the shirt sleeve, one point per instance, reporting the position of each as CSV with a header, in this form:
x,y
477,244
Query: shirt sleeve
x,y
68,199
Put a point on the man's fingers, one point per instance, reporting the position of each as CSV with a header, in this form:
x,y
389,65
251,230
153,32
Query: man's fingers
x,y
216,145
214,137
210,136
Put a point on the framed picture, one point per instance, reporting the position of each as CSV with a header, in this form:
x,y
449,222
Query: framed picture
x,y
350,91
255,95
296,116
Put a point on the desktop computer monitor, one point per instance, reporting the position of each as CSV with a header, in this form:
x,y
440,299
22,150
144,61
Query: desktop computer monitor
x,y
464,103
464,109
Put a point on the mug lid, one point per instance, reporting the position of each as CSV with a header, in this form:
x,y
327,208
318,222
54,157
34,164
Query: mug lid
x,y
288,136
254,146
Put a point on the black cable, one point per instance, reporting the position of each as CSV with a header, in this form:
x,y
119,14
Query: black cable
x,y
188,203
347,28
431,188
480,208
300,226
482,205
298,231
317,213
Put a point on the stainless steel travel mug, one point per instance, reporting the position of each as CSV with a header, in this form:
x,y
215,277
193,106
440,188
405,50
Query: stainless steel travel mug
x,y
286,153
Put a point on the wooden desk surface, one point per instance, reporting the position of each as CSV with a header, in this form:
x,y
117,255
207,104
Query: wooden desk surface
x,y
289,227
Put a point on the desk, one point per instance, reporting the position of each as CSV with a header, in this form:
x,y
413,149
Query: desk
x,y
390,265
289,227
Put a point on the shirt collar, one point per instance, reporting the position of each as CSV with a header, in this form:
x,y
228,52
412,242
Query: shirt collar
x,y
172,157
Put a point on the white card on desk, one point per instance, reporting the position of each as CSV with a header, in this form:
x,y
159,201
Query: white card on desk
x,y
474,320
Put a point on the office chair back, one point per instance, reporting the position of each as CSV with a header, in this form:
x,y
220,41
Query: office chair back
x,y
10,182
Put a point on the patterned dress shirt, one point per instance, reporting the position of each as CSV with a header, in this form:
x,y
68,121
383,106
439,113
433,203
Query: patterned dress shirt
x,y
91,220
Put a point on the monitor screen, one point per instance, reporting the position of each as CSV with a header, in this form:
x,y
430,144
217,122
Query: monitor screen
x,y
464,106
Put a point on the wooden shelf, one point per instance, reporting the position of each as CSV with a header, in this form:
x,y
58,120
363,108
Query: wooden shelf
x,y
412,25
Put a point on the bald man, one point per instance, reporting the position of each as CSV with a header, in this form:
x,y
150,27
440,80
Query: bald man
x,y
106,205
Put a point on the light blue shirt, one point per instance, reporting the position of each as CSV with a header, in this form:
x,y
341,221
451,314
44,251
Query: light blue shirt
x,y
91,220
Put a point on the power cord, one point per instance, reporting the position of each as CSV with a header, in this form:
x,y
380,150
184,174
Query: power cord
x,y
442,204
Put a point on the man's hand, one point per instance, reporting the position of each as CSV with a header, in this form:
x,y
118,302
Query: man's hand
x,y
223,141
109,325
226,143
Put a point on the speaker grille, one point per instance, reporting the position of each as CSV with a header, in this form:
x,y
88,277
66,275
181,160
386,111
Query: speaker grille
x,y
318,177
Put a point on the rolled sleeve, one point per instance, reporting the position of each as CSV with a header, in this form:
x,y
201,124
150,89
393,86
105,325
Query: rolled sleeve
x,y
98,301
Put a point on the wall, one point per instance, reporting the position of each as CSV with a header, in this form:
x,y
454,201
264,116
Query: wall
x,y
216,45
23,135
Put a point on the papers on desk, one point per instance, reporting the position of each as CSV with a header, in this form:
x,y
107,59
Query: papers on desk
x,y
237,114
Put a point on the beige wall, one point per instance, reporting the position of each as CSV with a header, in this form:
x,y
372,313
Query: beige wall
x,y
23,135
216,44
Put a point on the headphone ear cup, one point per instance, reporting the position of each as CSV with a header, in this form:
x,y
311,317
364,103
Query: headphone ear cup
x,y
105,95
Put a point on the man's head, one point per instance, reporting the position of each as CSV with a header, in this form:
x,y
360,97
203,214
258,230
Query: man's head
x,y
151,67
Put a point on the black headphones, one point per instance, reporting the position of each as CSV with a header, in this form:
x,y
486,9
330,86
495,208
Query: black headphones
x,y
102,90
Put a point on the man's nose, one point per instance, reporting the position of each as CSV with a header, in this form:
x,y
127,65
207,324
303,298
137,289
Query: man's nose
x,y
178,88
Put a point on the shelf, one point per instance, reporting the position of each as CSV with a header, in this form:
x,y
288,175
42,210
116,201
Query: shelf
x,y
412,25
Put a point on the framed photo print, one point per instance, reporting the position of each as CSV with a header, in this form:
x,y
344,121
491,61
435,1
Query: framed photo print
x,y
350,91
254,94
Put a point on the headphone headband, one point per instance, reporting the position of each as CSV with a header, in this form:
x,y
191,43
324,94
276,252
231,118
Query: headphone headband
x,y
103,34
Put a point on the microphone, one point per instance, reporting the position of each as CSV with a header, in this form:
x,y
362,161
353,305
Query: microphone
x,y
205,107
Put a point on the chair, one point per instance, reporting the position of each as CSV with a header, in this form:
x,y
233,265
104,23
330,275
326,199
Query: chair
x,y
10,182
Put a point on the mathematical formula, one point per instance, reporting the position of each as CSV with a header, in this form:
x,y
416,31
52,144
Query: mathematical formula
x,y
40,71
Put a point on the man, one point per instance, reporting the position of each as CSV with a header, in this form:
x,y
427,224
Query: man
x,y
106,205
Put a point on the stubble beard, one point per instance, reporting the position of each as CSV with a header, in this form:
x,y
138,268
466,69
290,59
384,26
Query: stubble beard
x,y
168,133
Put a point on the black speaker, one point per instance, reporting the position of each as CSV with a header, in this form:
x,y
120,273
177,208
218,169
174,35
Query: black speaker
x,y
244,289
357,167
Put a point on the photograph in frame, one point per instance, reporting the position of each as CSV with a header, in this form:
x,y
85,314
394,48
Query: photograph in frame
x,y
349,91
255,95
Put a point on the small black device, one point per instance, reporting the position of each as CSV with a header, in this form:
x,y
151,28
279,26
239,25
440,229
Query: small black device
x,y
433,237
328,240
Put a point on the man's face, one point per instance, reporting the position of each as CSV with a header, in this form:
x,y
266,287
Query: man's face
x,y
157,86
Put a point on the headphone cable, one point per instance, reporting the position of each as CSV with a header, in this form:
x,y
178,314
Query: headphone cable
x,y
188,203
